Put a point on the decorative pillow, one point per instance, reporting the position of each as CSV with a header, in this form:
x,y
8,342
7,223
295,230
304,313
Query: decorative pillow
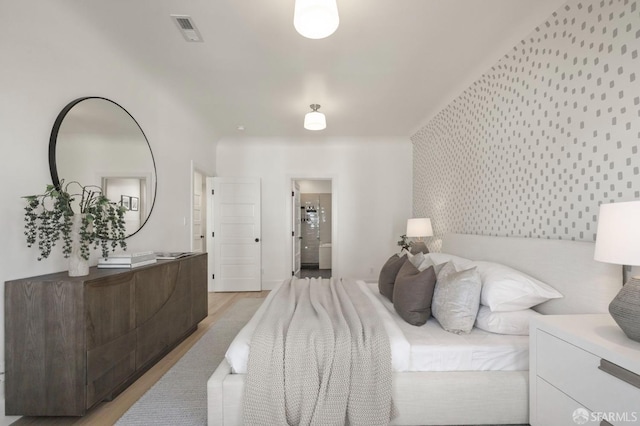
x,y
446,269
416,259
460,262
514,322
412,293
388,275
505,289
428,262
422,262
456,300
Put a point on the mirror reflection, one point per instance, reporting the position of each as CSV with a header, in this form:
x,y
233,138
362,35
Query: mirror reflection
x,y
97,142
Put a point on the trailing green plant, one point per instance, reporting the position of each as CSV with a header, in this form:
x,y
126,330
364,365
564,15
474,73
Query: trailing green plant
x,y
404,243
48,218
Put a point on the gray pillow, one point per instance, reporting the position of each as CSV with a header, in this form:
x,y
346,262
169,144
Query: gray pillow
x,y
412,293
456,300
388,275
446,269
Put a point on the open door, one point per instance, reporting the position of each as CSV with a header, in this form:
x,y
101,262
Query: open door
x,y
198,224
236,234
313,207
296,235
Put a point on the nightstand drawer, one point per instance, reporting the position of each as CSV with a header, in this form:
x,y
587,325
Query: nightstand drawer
x,y
575,372
554,408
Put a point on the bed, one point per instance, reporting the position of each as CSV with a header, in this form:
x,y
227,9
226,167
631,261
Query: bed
x,y
489,396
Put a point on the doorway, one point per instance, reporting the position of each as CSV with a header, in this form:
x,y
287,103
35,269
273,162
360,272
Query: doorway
x,y
312,228
199,213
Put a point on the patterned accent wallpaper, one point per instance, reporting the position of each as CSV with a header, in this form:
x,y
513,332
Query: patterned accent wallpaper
x,y
540,140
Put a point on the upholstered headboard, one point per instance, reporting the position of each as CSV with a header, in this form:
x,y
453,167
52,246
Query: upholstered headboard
x,y
587,285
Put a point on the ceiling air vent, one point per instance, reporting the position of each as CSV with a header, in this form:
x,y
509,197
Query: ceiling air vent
x,y
187,27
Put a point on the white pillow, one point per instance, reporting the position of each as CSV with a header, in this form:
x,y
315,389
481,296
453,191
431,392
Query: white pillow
x,y
420,261
505,289
460,262
416,259
425,262
456,300
514,322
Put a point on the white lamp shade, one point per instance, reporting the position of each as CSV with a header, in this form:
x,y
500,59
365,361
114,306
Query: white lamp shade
x,y
618,235
419,227
315,121
316,18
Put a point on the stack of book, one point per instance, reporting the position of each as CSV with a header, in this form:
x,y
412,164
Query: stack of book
x,y
128,260
169,255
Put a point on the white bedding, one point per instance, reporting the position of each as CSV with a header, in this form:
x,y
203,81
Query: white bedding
x,y
425,348
434,349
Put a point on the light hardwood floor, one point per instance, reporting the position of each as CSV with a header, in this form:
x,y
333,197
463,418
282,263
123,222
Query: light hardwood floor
x,y
107,413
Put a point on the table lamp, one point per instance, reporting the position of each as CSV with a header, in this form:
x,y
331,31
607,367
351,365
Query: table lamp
x,y
418,228
618,241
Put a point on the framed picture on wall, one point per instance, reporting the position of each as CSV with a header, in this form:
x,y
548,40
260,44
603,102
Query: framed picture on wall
x,y
125,201
133,203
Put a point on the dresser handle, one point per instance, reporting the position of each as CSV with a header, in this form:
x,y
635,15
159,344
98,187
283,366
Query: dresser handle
x,y
620,373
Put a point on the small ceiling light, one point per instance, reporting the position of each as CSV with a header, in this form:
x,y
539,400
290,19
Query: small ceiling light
x,y
315,120
316,18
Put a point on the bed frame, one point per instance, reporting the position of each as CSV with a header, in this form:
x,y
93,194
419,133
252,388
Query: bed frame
x,y
482,397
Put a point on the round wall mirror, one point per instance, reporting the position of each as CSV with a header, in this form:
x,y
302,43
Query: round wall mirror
x,y
95,141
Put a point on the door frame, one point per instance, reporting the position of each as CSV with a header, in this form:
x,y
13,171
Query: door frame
x,y
335,245
196,168
211,260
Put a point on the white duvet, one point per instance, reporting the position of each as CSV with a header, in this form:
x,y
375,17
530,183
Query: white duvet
x,y
424,348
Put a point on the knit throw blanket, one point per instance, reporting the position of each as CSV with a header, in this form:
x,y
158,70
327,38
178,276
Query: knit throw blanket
x,y
320,356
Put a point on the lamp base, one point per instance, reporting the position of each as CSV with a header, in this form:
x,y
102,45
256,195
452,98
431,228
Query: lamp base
x,y
625,309
419,247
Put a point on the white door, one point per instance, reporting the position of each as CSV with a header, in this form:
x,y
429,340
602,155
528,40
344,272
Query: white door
x,y
296,227
236,234
198,226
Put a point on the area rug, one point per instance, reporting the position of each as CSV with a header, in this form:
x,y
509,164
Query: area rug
x,y
180,396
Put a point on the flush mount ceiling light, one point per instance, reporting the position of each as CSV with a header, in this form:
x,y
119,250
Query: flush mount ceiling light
x,y
316,18
315,120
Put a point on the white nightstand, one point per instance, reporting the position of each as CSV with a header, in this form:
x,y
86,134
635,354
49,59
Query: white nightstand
x,y
567,356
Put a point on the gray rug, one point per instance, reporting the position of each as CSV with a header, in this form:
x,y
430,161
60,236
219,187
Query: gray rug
x,y
180,396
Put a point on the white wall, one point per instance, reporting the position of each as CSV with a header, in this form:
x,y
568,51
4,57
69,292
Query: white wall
x,y
315,186
372,196
50,57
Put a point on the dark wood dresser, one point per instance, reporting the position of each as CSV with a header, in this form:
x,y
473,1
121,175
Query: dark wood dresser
x,y
73,342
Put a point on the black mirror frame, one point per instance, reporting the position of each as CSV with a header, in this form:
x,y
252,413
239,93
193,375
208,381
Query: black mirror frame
x,y
53,139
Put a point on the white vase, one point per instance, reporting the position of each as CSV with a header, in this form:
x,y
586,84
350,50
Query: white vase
x,y
78,266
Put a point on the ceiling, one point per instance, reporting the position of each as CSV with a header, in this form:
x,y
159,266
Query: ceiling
x,y
390,66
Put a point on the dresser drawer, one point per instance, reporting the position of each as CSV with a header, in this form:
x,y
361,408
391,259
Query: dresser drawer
x,y
575,372
554,408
